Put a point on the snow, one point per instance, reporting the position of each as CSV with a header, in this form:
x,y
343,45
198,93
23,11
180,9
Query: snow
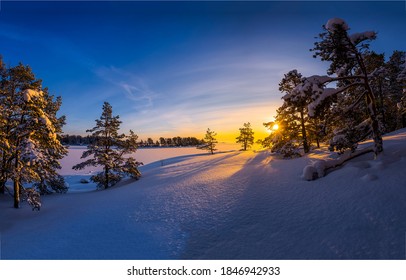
x,y
332,24
327,92
45,120
29,94
309,173
359,37
148,156
316,79
230,205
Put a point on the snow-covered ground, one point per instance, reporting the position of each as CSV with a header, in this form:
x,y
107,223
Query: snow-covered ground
x,y
147,156
231,205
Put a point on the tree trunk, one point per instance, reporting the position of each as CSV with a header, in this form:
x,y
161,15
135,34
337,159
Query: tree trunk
x,y
372,111
3,174
16,182
304,136
3,181
16,193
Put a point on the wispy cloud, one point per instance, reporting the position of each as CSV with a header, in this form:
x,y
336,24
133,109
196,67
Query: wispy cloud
x,y
124,82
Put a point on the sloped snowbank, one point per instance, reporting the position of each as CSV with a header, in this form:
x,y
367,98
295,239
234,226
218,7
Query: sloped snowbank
x,y
235,205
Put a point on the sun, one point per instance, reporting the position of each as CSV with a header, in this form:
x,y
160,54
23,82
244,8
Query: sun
x,y
275,127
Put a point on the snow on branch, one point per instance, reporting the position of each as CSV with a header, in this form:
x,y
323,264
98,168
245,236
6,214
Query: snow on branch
x,y
316,86
327,92
357,38
334,23
29,94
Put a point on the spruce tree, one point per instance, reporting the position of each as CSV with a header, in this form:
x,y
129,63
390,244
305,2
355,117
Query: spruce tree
x,y
109,149
246,137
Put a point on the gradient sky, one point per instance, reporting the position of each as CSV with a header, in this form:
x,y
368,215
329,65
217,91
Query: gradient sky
x,y
177,68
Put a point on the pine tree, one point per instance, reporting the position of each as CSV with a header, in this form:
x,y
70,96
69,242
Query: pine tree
x,y
109,149
29,127
298,101
209,141
246,137
346,54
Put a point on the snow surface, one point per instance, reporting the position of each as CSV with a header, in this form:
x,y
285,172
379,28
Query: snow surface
x,y
148,156
230,205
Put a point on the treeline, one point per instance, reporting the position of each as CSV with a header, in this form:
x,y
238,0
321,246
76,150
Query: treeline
x,y
74,140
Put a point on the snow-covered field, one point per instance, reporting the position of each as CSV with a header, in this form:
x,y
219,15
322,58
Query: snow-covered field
x,y
231,205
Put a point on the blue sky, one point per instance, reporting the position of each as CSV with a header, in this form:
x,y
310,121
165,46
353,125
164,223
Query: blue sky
x,y
177,68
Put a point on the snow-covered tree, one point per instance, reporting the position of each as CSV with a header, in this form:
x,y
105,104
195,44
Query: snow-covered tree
x,y
349,73
109,149
246,137
209,141
295,128
29,127
297,101
283,139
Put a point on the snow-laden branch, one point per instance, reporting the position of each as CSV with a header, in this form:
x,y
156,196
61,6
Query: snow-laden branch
x,y
319,168
357,38
29,94
321,94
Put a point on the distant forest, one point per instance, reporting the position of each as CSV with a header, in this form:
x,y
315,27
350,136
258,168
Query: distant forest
x,y
78,140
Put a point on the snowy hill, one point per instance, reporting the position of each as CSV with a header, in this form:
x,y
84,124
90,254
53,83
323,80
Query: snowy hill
x,y
231,205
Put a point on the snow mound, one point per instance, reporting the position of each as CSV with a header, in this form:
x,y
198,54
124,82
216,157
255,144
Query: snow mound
x,y
369,177
309,173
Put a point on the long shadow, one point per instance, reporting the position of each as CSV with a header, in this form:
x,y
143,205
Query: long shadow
x,y
272,219
177,159
190,170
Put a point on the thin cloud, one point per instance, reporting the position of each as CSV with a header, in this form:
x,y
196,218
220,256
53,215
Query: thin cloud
x,y
134,88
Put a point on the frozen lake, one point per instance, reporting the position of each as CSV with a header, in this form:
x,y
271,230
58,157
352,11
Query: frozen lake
x,y
144,155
